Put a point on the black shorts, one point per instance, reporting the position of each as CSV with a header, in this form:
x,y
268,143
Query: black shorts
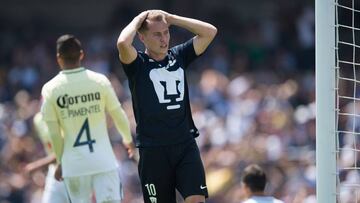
x,y
164,169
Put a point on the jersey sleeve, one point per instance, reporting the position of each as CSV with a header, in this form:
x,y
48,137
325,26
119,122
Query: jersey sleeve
x,y
132,68
122,124
57,141
42,132
186,51
111,100
47,108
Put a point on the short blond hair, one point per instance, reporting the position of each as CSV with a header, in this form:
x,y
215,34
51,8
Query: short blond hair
x,y
153,15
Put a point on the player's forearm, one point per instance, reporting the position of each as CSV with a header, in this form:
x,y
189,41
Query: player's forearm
x,y
200,28
56,139
41,163
122,124
127,35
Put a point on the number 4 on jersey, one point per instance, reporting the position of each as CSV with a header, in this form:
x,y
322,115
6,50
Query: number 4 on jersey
x,y
89,141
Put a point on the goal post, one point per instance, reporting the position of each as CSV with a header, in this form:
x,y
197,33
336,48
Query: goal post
x,y
325,101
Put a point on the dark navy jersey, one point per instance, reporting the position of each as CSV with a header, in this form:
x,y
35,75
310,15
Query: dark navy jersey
x,y
160,97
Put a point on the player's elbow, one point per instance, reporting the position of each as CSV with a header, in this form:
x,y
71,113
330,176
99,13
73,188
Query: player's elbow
x,y
209,33
212,31
122,43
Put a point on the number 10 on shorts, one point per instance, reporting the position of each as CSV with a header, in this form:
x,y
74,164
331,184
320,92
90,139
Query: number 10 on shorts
x,y
151,189
152,192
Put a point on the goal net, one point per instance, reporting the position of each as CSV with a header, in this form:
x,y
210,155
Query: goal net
x,y
347,71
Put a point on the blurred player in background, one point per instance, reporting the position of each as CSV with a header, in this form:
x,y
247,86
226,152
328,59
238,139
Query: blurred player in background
x,y
253,186
54,191
74,108
169,155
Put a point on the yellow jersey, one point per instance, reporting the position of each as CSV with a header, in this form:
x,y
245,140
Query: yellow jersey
x,y
77,99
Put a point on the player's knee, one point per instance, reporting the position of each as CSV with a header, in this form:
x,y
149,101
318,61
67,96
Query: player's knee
x,y
195,199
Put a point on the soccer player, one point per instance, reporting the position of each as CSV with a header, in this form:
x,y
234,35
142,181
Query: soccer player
x,y
253,185
54,191
169,155
74,106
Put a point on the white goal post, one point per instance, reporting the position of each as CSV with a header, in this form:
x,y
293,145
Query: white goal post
x,y
337,31
325,101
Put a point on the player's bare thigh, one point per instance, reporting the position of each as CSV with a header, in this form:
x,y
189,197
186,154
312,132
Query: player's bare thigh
x,y
195,199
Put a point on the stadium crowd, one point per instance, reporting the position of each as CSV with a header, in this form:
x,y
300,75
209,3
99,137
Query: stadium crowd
x,y
252,94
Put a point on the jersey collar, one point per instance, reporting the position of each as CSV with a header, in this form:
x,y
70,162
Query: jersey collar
x,y
75,70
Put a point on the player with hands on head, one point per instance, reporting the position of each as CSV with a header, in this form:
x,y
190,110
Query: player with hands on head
x,y
165,132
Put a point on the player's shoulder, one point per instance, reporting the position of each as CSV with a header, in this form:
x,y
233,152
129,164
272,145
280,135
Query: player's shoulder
x,y
142,57
52,81
50,85
97,77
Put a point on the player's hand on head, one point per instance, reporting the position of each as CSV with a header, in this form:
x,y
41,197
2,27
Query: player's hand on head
x,y
166,14
161,11
140,18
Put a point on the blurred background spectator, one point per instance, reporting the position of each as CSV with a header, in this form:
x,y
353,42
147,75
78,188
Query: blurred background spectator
x,y
253,92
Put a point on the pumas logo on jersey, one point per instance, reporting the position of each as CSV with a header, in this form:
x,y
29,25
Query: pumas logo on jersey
x,y
169,86
64,101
